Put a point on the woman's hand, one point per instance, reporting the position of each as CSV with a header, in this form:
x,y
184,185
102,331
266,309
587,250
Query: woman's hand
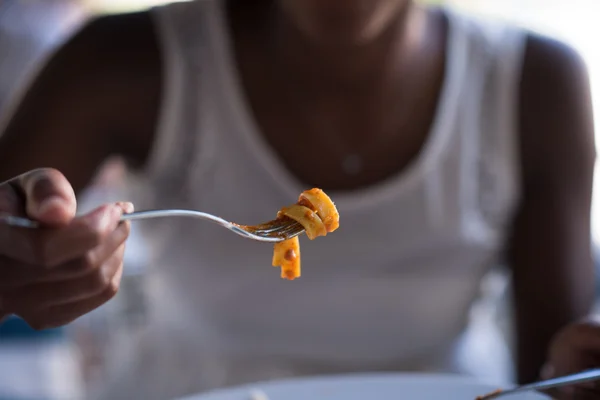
x,y
576,348
53,275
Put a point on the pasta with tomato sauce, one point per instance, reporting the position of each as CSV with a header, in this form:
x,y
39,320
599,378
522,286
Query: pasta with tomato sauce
x,y
318,215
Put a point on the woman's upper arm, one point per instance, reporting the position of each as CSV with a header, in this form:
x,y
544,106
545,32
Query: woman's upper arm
x,y
549,249
96,96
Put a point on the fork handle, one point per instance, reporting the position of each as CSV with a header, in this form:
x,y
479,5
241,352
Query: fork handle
x,y
22,222
151,214
137,215
567,380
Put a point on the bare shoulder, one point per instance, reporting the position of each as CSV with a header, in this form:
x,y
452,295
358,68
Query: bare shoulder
x,y
119,57
100,92
123,42
557,132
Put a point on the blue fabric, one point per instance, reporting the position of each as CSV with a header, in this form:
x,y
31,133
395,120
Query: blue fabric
x,y
6,397
16,398
16,328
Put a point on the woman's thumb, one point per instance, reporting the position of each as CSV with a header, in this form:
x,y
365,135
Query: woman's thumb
x,y
49,197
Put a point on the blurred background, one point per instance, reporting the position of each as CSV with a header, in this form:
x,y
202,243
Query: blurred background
x,y
76,362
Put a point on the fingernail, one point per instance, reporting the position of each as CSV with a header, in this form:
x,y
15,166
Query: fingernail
x,y
127,207
51,203
42,187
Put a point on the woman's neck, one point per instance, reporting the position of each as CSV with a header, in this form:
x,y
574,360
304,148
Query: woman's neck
x,y
329,65
343,65
374,101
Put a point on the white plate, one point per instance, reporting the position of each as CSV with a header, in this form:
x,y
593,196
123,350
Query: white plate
x,y
365,387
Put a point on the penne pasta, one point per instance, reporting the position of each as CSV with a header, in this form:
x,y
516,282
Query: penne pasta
x,y
318,215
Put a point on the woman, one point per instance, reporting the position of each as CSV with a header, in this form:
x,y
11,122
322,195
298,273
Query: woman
x,y
448,145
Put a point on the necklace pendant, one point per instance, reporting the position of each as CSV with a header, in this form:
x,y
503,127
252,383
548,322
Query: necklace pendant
x,y
352,164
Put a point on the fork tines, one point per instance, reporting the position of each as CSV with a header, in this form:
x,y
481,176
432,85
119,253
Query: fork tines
x,y
281,227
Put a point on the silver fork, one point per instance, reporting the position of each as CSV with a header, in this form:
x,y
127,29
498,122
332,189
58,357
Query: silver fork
x,y
274,231
567,380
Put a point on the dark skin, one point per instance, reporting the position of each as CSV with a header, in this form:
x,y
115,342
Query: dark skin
x,y
74,116
550,250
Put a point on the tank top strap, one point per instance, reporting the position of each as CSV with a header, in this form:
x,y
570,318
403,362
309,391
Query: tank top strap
x,y
488,130
181,32
508,63
504,145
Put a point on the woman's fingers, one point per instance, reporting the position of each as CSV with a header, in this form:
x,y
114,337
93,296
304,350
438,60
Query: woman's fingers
x,y
63,314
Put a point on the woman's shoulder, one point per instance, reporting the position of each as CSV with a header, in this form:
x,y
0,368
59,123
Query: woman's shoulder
x,y
130,34
555,108
111,64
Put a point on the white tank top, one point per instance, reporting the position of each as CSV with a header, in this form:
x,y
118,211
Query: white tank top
x,y
391,289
